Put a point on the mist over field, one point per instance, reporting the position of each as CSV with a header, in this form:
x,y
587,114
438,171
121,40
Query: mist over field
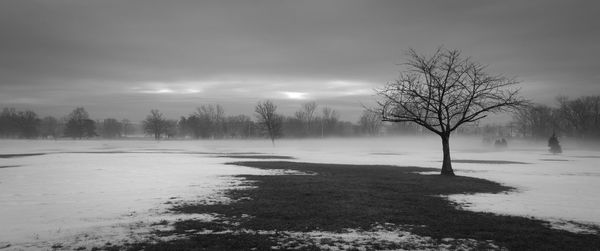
x,y
299,125
85,193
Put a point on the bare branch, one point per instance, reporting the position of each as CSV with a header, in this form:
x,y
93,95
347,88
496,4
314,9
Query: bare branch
x,y
445,90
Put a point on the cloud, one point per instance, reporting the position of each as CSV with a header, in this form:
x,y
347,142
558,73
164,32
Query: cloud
x,y
295,95
58,53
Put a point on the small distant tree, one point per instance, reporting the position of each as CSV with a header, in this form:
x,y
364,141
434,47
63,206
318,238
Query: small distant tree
x,y
79,124
370,123
444,91
554,144
329,121
28,123
49,127
126,127
22,124
111,128
306,115
240,126
581,116
268,119
208,121
9,127
171,129
535,121
155,124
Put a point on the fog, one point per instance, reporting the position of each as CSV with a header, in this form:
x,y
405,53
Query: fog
x,y
90,192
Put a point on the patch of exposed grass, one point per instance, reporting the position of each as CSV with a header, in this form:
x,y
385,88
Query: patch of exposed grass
x,y
358,196
217,242
256,156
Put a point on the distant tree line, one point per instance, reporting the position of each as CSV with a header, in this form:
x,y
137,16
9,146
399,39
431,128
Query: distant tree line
x,y
77,125
208,121
309,121
578,118
19,124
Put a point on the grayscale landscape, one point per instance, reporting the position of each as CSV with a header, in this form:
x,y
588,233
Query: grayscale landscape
x,y
299,125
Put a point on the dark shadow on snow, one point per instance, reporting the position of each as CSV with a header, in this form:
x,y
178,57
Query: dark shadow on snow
x,y
9,166
255,156
18,155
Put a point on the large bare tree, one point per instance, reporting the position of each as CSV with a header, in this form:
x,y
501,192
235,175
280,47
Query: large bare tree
x,y
268,119
444,91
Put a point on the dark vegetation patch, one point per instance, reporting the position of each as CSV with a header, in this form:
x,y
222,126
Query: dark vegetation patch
x,y
17,155
495,162
358,197
9,166
256,156
216,242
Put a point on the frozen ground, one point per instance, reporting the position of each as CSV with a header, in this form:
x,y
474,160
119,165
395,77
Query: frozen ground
x,y
97,191
82,193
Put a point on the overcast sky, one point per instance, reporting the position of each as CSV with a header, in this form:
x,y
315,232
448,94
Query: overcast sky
x,y
122,58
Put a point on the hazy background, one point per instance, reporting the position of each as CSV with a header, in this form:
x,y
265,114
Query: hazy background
x,y
122,58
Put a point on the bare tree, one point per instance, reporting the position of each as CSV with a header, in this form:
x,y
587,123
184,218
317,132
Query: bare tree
x,y
127,127
306,115
582,115
370,122
444,91
28,123
536,121
329,121
240,126
268,119
110,128
155,124
49,127
209,121
79,124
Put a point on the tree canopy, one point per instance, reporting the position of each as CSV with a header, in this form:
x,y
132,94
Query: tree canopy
x,y
444,91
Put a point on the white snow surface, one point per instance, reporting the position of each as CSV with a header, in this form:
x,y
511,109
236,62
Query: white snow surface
x,y
92,188
86,188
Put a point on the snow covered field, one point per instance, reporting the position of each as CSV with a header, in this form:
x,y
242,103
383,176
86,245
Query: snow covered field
x,y
81,193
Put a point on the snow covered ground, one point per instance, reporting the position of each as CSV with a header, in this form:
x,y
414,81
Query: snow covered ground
x,y
97,191
90,192
556,188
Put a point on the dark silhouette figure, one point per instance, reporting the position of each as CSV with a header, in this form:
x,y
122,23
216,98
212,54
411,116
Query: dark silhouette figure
x,y
554,144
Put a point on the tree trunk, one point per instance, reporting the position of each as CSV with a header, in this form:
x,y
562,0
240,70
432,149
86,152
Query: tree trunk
x,y
447,162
